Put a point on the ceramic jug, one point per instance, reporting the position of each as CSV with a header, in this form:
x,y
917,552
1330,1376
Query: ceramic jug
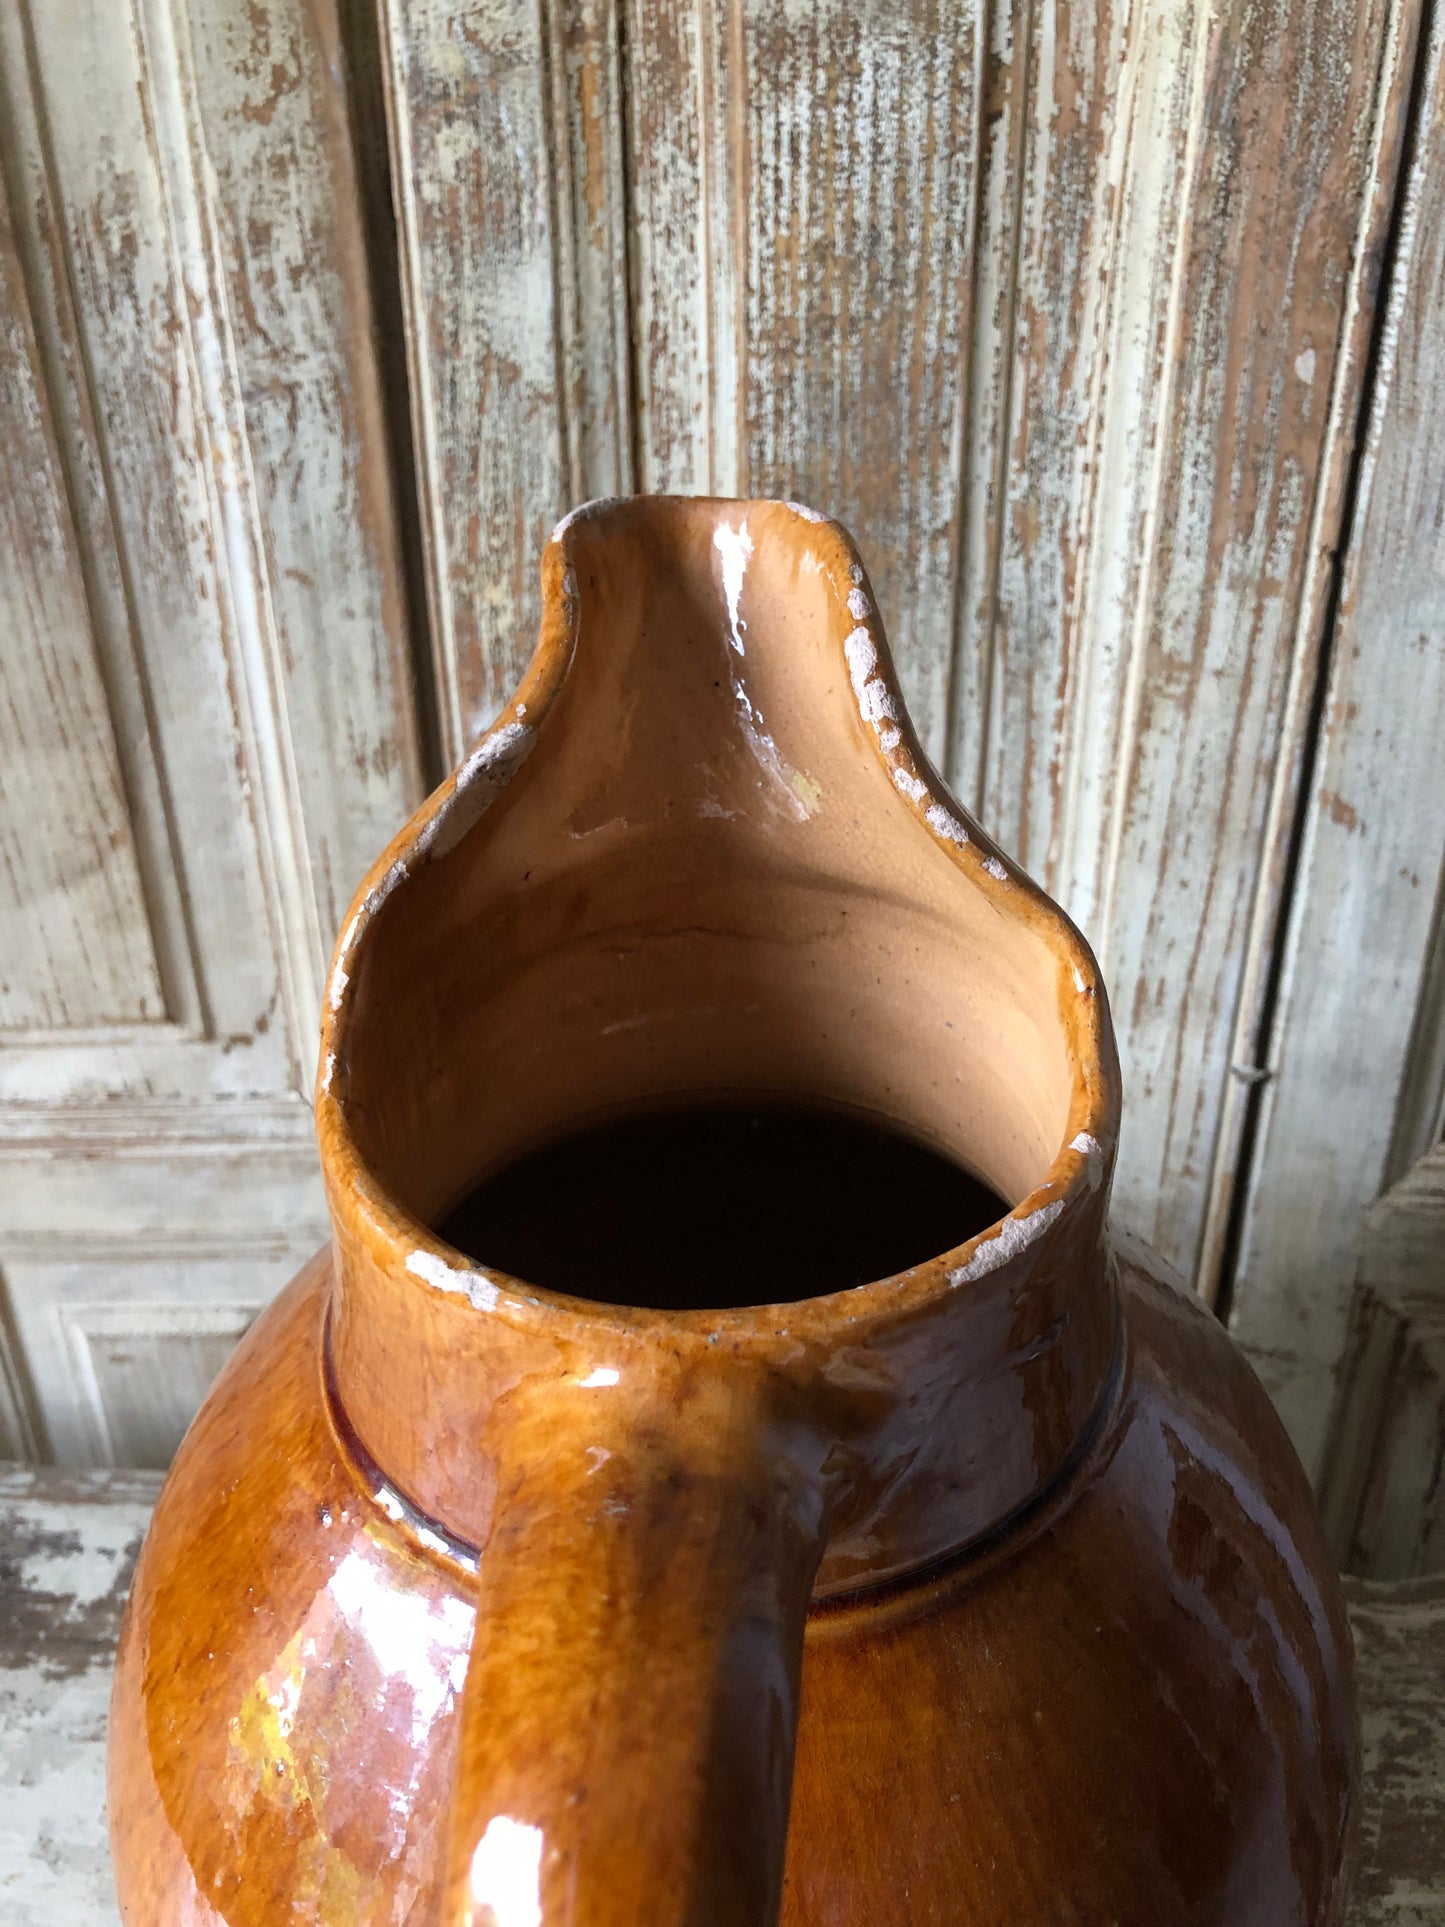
x,y
989,1591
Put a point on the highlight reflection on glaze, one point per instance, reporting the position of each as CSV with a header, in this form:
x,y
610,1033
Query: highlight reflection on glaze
x,y
506,1879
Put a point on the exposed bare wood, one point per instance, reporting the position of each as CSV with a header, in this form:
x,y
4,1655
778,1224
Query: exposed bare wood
x,y
1317,588
69,1544
1399,1665
1364,918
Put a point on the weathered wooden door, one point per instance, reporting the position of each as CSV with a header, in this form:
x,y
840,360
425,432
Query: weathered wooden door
x,y
320,312
207,724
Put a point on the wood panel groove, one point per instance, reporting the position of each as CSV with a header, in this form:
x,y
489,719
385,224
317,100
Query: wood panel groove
x,y
69,867
366,91
588,149
441,631
185,173
1015,171
149,805
1131,708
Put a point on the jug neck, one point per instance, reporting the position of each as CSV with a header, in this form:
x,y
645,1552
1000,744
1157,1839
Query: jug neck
x,y
933,1408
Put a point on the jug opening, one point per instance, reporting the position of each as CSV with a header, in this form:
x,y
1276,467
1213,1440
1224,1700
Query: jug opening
x,y
704,1206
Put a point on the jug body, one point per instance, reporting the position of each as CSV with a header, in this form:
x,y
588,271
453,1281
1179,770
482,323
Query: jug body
x,y
1132,1706
989,1589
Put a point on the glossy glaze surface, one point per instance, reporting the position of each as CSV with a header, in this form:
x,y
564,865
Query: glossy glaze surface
x,y
470,1602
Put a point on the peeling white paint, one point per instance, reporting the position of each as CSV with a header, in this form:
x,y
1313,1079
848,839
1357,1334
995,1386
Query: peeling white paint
x,y
944,823
912,786
808,514
1093,1152
874,697
481,778
340,976
479,1292
862,658
859,606
995,869
1014,1236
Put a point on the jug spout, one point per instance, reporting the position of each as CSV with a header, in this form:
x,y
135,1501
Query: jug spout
x,y
700,857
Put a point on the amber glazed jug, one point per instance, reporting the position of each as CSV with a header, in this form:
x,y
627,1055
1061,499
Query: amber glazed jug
x,y
989,1591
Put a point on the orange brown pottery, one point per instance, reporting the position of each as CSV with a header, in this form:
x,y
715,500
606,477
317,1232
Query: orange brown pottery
x,y
750,1528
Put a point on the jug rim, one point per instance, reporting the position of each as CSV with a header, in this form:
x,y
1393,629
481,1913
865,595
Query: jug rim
x,y
1082,1164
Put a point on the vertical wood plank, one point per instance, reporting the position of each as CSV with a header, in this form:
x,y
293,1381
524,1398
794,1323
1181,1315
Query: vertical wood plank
x,y
134,267
1166,458
275,153
473,189
76,947
1069,397
686,169
860,127
1365,914
583,58
502,115
1281,175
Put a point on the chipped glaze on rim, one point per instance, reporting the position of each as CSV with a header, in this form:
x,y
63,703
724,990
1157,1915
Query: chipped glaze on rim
x,y
1064,1196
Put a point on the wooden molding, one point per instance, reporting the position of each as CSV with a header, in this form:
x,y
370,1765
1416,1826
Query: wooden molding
x,y
1383,1491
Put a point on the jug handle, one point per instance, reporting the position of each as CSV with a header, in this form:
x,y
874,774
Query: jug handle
x,y
626,1731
